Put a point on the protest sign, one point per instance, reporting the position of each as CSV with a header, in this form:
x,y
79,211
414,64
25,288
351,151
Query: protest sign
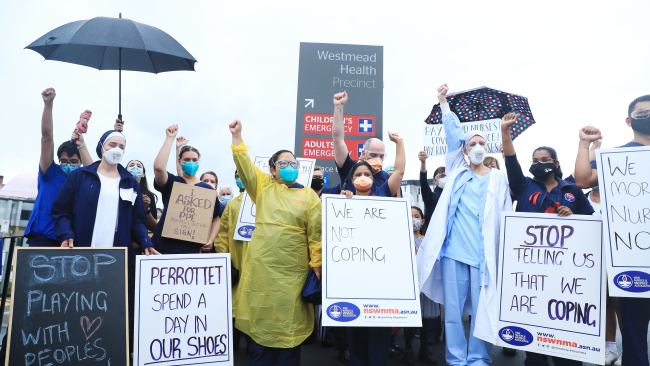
x,y
435,141
183,310
189,214
624,181
246,219
369,275
69,307
552,285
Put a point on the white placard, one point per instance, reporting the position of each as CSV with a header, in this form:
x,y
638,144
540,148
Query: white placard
x,y
369,273
435,141
624,181
246,220
552,285
183,310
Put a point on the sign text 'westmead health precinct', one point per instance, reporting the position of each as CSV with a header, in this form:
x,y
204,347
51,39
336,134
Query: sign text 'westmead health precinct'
x,y
326,69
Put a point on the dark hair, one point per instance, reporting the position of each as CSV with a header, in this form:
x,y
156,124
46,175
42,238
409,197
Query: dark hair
x,y
69,148
144,185
358,165
187,148
319,168
643,98
274,157
438,170
419,210
553,153
210,172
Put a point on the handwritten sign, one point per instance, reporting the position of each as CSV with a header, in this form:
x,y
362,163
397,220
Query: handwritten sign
x,y
69,307
552,286
189,215
435,141
246,220
624,181
183,311
369,275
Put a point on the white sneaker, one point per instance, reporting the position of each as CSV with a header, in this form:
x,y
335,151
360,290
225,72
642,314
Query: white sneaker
x,y
619,361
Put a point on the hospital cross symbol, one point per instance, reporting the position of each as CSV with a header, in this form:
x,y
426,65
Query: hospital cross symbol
x,y
365,125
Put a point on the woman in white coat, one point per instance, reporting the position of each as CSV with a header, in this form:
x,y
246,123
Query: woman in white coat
x,y
457,259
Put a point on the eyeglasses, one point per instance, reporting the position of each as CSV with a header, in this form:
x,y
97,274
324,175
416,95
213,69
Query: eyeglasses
x,y
643,114
375,155
286,163
543,160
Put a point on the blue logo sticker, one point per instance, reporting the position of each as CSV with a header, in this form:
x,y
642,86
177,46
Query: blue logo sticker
x,y
569,197
246,231
343,312
516,336
633,281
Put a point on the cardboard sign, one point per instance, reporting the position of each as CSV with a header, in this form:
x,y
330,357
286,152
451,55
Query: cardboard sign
x,y
552,285
246,219
624,181
435,141
69,307
369,275
183,310
189,214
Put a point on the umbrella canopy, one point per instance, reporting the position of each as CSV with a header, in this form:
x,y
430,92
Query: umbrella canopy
x,y
485,103
114,44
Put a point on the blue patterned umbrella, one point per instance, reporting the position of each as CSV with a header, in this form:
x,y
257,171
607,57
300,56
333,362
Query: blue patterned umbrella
x,y
484,103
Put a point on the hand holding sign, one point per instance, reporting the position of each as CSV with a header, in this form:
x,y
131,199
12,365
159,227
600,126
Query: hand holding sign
x,y
340,99
68,243
48,95
564,211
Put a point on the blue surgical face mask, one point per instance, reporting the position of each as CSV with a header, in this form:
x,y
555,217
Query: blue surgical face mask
x,y
190,168
240,184
67,168
136,171
288,174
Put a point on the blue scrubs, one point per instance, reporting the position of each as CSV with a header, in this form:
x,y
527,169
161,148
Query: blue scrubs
x,y
462,261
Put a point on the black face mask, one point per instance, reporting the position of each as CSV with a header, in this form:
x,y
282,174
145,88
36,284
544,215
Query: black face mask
x,y
541,171
641,125
317,183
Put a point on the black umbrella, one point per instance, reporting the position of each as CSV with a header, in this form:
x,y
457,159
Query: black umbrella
x,y
484,103
114,44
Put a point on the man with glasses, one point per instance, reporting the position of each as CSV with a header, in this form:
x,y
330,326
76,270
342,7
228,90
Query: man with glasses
x,y
373,152
635,312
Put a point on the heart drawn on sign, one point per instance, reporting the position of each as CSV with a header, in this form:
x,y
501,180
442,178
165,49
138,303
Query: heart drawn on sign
x,y
90,327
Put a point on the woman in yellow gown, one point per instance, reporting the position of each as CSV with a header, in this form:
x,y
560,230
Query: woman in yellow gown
x,y
285,245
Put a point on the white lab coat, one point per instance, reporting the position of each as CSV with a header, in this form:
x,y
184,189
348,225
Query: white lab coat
x,y
429,270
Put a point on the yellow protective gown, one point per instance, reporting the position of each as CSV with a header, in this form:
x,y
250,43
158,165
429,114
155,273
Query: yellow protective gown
x,y
224,243
285,244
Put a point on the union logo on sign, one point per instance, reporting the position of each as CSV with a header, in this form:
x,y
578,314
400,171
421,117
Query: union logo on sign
x,y
624,281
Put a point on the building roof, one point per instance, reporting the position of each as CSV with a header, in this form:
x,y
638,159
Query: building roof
x,y
22,186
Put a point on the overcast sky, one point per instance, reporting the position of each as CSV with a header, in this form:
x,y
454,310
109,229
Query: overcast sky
x,y
578,62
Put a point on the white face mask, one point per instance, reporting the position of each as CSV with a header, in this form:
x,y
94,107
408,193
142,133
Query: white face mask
x,y
113,156
417,224
441,182
477,154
